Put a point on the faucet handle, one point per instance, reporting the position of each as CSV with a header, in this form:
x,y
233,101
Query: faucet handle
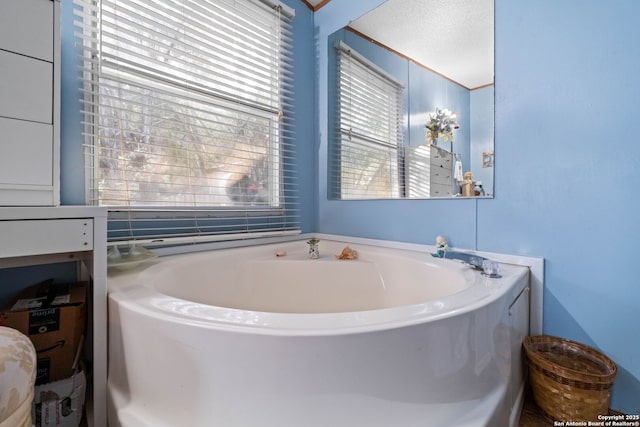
x,y
476,261
490,268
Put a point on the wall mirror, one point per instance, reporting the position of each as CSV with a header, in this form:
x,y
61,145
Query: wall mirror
x,y
402,66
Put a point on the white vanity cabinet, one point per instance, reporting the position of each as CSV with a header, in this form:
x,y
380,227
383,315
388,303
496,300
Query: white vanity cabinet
x,y
48,235
29,102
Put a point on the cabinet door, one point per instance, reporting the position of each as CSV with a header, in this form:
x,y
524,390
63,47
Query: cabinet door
x,y
29,102
26,27
519,313
25,153
26,88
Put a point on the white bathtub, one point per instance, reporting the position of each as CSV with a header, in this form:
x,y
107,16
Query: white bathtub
x,y
239,337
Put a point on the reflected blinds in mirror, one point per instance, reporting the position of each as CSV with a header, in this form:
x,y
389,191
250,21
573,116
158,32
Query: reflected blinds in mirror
x,y
418,171
369,130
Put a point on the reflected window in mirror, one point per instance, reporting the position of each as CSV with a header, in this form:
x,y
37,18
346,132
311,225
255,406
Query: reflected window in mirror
x,y
404,39
369,136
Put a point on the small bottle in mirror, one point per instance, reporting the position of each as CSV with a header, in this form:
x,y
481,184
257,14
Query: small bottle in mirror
x,y
467,185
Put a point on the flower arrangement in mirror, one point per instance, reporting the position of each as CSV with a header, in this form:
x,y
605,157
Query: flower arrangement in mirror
x,y
441,123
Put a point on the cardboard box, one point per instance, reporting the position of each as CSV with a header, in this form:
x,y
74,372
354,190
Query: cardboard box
x,y
60,403
54,319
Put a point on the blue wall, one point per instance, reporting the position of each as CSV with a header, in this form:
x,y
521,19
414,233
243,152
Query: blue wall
x,y
567,165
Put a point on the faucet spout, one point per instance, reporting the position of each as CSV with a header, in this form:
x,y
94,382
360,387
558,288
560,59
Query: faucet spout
x,y
488,267
468,258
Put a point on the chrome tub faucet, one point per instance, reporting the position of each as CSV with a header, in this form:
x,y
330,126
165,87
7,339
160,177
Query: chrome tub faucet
x,y
488,267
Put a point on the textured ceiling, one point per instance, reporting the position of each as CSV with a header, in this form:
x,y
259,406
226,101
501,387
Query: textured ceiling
x,y
452,37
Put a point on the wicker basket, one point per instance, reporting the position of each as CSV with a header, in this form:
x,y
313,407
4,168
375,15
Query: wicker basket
x,y
570,381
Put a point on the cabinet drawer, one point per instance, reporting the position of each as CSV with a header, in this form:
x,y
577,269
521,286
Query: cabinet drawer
x,y
26,27
440,176
35,237
441,163
26,88
26,150
440,190
440,158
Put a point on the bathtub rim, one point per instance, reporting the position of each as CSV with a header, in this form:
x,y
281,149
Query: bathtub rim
x,y
483,291
167,308
535,264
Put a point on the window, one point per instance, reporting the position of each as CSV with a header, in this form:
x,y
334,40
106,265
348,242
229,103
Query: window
x,y
369,129
185,105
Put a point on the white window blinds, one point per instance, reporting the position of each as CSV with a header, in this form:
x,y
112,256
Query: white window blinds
x,y
369,129
187,123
